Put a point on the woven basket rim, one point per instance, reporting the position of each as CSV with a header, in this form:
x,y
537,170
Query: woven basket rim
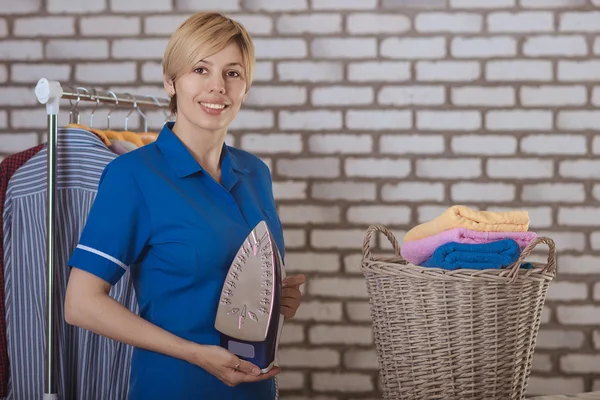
x,y
397,266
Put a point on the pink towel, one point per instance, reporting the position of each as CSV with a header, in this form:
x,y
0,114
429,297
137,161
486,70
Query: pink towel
x,y
417,251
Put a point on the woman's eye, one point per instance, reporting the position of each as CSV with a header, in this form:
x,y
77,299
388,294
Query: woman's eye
x,y
200,70
234,74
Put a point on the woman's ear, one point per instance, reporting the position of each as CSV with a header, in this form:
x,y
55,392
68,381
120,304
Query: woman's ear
x,y
169,86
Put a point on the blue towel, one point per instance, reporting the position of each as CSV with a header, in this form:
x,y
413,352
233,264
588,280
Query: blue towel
x,y
493,255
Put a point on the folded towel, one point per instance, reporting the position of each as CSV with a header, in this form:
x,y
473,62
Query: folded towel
x,y
464,217
493,255
417,251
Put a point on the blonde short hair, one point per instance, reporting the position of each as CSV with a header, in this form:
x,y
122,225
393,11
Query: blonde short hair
x,y
205,33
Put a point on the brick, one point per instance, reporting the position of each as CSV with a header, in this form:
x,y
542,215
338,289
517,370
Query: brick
x,y
596,95
580,363
310,120
579,120
3,28
46,26
338,239
413,48
448,120
307,71
411,144
266,5
345,4
483,192
349,48
378,119
540,217
448,71
387,215
585,21
20,7
294,238
559,339
344,191
16,142
17,96
551,3
541,362
252,119
330,334
482,4
263,71
567,291
448,168
77,49
290,380
305,214
448,22
413,192
519,120
256,24
272,143
565,46
359,311
515,168
276,95
519,70
553,95
341,382
578,265
342,95
106,72
579,216
596,191
403,4
110,26
162,24
483,145
152,72
554,144
596,339
76,6
289,190
584,169
500,46
554,192
207,5
280,48
411,95
301,262
340,144
597,291
576,71
25,119
596,48
3,119
352,263
546,315
525,21
313,358
376,167
312,23
309,167
20,50
384,71
361,359
483,96
321,311
4,74
140,5
554,385
363,23
143,49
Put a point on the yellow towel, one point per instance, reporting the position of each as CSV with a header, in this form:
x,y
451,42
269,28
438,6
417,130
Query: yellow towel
x,y
464,217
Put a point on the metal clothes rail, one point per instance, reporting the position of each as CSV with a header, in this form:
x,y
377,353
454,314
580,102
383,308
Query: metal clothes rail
x,y
50,93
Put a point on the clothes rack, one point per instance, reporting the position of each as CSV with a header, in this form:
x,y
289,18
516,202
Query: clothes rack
x,y
50,93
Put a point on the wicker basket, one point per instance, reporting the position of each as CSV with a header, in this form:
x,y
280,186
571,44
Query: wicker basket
x,y
455,335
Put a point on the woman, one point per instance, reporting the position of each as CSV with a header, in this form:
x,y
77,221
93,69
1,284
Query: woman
x,y
175,212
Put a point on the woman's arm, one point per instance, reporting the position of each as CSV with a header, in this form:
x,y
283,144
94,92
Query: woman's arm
x,y
89,306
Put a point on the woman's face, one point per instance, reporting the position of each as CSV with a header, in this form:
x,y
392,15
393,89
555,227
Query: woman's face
x,y
210,95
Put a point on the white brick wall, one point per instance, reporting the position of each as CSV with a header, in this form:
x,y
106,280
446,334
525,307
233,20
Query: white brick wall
x,y
372,112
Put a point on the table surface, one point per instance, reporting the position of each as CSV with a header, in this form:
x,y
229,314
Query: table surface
x,y
581,396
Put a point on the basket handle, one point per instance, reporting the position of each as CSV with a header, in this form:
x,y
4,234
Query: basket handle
x,y
379,228
550,264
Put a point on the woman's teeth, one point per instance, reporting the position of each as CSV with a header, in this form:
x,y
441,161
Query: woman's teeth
x,y
214,106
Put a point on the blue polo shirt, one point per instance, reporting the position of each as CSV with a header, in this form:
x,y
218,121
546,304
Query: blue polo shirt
x,y
159,215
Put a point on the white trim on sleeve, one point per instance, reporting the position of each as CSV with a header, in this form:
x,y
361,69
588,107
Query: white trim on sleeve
x,y
101,254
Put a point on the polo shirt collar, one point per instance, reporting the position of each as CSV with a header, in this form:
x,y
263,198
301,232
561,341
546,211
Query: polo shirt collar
x,y
181,159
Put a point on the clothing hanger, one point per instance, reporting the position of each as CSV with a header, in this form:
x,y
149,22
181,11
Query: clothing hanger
x,y
128,135
101,134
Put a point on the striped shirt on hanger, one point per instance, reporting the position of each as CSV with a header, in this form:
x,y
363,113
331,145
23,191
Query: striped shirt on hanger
x,y
89,366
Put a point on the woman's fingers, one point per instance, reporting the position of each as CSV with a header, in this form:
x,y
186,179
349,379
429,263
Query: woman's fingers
x,y
246,367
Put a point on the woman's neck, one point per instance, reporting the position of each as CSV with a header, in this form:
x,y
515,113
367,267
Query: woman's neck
x,y
205,146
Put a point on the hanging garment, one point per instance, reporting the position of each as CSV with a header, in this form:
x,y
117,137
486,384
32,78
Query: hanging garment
x,y
89,366
7,168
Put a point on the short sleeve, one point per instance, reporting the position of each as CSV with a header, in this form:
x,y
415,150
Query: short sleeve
x,y
117,227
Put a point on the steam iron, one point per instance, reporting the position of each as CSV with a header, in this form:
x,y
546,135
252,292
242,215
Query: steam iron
x,y
249,313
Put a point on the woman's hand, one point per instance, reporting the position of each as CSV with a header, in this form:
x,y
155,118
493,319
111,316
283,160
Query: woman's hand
x,y
290,295
227,366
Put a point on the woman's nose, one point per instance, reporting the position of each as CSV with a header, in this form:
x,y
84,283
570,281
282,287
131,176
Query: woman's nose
x,y
217,85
